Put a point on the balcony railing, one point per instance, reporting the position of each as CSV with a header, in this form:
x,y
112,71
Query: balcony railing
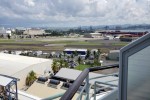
x,y
68,95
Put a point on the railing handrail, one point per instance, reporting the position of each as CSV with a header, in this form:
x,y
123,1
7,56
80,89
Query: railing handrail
x,y
53,96
91,69
74,88
78,82
101,76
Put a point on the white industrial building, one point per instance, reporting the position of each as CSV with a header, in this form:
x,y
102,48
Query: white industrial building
x,y
5,32
19,66
113,55
34,32
93,35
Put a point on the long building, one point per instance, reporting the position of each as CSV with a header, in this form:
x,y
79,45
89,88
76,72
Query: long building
x,y
115,33
93,35
19,66
70,51
34,32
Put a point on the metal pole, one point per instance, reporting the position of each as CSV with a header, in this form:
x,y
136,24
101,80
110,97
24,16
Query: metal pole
x,y
80,97
81,93
94,90
16,90
87,87
9,92
73,89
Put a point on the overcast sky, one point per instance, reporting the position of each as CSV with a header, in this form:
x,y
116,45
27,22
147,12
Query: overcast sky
x,y
73,12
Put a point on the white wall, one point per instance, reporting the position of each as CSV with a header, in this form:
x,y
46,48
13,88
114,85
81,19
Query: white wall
x,y
113,56
34,32
37,68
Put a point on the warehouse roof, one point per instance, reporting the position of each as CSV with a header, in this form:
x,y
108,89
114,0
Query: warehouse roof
x,y
95,33
5,80
114,51
10,64
72,74
73,49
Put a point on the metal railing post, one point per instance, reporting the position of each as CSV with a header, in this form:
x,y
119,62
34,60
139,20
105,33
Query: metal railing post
x,y
94,90
16,90
75,86
9,92
84,76
87,87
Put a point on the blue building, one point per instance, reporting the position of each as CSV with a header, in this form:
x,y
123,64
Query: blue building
x,y
81,52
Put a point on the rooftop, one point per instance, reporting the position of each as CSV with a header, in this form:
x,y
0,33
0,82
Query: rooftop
x,y
73,49
10,64
43,90
72,74
95,33
5,80
114,51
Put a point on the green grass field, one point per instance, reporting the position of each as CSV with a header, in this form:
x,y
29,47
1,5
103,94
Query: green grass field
x,y
82,67
67,42
39,44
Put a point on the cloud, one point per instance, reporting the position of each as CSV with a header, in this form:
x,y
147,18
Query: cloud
x,y
74,12
29,3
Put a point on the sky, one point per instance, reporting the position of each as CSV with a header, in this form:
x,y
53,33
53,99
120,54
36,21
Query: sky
x,y
68,13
